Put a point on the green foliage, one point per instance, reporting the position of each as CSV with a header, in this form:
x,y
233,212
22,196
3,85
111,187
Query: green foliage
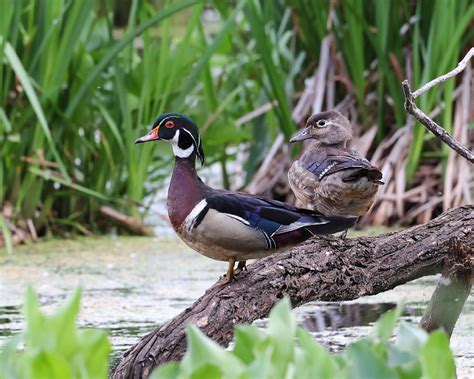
x,y
54,347
288,351
75,97
75,91
438,40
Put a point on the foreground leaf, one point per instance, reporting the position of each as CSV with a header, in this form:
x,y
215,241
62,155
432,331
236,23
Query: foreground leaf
x,y
364,363
204,351
436,357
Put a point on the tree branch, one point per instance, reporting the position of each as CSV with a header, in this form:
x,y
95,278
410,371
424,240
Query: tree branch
x,y
460,67
432,126
327,269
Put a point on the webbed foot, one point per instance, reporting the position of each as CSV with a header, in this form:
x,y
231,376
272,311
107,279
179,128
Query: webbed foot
x,y
241,267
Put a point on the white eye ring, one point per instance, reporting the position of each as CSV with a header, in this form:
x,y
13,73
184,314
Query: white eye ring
x,y
321,123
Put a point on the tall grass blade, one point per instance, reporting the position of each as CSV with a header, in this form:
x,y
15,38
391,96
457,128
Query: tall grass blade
x,y
121,45
24,79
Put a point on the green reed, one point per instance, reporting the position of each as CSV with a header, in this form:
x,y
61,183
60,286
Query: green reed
x,y
75,92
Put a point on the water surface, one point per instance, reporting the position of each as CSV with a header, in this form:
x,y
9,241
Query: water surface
x,y
131,285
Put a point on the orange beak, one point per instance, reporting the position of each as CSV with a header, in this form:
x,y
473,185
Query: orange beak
x,y
151,136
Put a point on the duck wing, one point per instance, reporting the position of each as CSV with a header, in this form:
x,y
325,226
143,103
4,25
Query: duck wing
x,y
324,162
280,223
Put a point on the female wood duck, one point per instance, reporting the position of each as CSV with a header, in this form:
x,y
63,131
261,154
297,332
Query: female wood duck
x,y
329,176
224,225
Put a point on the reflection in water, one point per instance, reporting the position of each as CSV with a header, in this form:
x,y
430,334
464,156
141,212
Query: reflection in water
x,y
9,315
334,316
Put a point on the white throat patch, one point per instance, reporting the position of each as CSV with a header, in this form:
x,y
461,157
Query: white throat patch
x,y
181,153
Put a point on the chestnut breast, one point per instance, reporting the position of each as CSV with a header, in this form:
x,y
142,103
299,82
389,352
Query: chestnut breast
x,y
185,191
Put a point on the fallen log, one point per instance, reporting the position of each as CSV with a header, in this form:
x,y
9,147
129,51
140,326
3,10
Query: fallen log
x,y
130,223
327,269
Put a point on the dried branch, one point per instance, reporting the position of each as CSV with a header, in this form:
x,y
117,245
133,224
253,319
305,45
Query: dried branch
x,y
460,67
127,222
432,126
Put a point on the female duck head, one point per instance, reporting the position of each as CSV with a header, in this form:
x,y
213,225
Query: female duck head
x,y
330,128
180,131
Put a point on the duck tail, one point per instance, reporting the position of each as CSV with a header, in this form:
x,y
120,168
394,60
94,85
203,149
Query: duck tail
x,y
336,224
372,173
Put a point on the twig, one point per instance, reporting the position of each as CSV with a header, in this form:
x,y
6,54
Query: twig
x,y
432,126
460,67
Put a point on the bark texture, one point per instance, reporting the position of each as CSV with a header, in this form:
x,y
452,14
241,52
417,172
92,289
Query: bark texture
x,y
452,290
327,269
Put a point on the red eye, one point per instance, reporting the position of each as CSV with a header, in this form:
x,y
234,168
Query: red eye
x,y
169,124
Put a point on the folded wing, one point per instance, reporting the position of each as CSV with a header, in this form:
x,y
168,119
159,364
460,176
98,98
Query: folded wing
x,y
280,224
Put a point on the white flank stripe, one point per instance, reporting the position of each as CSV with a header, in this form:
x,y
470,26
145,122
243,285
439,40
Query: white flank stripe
x,y
295,226
196,211
242,220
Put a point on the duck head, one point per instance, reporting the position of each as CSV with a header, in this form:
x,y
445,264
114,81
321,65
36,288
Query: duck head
x,y
180,131
329,128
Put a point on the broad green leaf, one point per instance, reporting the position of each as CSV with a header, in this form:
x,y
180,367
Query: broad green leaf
x,y
363,363
411,337
262,366
246,340
202,350
207,371
96,352
63,322
47,364
166,371
282,329
437,360
10,366
384,326
313,360
407,365
54,347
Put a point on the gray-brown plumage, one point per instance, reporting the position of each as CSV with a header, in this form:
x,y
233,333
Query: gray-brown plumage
x,y
330,177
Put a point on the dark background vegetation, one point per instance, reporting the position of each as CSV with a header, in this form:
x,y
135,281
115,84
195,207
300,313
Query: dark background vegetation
x,y
80,80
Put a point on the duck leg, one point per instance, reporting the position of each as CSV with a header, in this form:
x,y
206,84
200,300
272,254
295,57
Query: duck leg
x,y
230,271
344,233
241,267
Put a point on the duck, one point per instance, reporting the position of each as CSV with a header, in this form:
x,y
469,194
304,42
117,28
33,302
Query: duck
x,y
329,176
224,225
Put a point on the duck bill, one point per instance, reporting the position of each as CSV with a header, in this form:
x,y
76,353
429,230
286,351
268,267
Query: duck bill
x,y
302,135
151,136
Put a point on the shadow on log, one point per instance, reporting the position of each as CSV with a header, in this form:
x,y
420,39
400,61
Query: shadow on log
x,y
327,269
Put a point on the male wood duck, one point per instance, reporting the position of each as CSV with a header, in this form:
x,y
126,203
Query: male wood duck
x,y
224,225
329,176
